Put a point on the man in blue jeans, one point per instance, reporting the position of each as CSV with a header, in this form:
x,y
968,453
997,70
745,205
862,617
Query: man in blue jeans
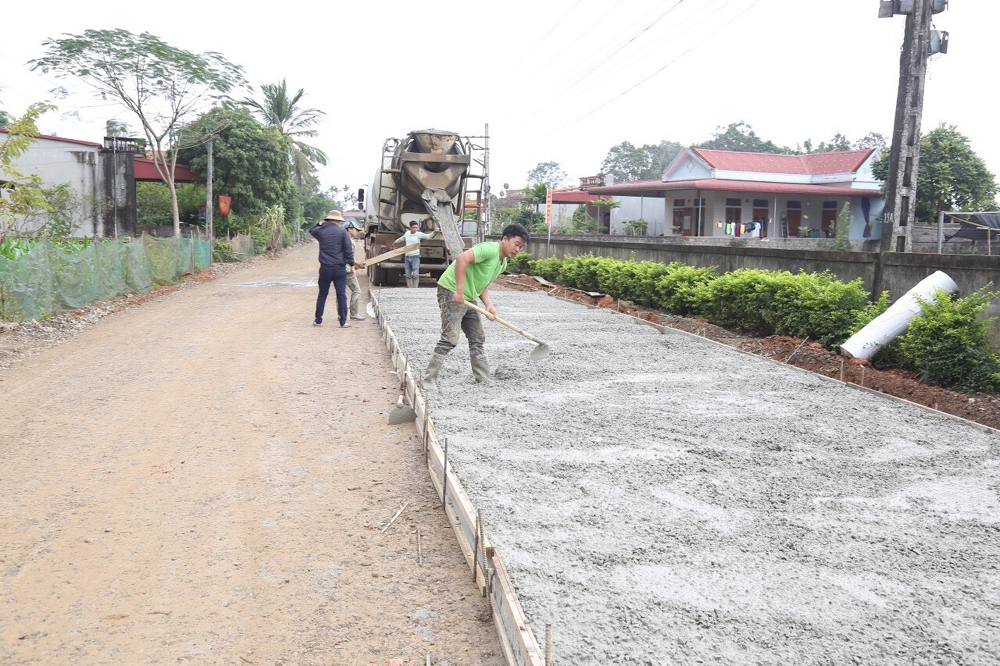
x,y
336,252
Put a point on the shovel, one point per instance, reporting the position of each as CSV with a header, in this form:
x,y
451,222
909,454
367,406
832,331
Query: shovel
x,y
541,349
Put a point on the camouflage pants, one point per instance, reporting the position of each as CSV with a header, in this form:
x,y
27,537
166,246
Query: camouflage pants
x,y
456,319
355,287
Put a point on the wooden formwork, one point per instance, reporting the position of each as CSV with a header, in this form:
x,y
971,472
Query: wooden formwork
x,y
487,567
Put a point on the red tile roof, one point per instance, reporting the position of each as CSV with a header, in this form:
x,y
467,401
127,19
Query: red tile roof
x,y
846,161
573,196
638,187
59,138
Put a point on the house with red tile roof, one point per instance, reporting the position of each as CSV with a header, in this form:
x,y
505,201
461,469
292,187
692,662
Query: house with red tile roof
x,y
727,193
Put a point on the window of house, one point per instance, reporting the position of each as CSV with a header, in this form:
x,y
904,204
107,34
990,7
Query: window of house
x,y
732,203
794,204
830,204
760,203
678,203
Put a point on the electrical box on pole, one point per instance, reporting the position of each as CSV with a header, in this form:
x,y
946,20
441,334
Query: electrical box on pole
x,y
904,157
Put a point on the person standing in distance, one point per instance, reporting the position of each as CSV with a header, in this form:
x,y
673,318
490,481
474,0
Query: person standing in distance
x,y
336,252
411,259
466,279
353,229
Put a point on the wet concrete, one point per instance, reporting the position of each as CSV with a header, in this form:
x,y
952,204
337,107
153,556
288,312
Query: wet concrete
x,y
662,499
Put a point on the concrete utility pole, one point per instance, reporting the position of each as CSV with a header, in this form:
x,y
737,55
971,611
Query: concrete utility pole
x,y
208,197
904,158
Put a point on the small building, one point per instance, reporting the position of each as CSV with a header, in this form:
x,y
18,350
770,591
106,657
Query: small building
x,y
101,179
716,193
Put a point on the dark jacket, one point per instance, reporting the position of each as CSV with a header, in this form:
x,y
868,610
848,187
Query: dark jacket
x,y
335,247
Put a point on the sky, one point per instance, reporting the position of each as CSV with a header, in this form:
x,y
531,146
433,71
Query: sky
x,y
556,81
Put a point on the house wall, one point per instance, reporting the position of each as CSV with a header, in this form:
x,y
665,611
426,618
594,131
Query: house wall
x,y
662,211
650,209
103,183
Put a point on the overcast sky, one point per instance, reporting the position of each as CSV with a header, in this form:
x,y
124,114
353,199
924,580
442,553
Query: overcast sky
x,y
559,80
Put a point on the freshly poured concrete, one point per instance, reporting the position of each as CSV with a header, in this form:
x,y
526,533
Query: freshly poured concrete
x,y
661,499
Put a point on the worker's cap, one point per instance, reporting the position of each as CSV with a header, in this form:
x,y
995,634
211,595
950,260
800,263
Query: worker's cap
x,y
352,224
334,216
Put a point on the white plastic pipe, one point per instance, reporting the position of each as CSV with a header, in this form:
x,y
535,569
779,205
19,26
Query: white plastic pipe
x,y
884,328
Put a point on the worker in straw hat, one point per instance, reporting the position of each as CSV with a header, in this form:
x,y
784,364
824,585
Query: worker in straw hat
x,y
336,253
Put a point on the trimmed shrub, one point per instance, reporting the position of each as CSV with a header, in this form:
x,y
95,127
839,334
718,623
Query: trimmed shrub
x,y
948,344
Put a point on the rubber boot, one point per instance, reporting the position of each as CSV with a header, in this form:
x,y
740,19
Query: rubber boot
x,y
413,282
431,372
480,368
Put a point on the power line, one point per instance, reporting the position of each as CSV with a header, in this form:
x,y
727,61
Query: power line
x,y
540,41
628,90
582,35
603,60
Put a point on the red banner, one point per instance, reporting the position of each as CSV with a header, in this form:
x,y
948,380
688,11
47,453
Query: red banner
x,y
224,202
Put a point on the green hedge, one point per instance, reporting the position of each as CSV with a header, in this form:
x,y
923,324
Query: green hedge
x,y
948,344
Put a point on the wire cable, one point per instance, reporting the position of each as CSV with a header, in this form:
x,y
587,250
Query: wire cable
x,y
628,90
540,41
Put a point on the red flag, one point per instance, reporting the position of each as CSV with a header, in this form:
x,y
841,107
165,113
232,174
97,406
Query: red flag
x,y
224,202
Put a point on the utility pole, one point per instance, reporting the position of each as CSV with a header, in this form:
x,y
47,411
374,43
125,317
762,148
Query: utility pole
x,y
208,198
919,42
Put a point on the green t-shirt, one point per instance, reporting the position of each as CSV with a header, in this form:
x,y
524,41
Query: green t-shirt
x,y
478,274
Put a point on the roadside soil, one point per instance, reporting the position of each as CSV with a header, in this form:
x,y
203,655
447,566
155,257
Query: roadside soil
x,y
199,475
811,356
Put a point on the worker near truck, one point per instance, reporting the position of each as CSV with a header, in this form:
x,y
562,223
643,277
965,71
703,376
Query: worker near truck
x,y
412,259
353,229
336,252
468,278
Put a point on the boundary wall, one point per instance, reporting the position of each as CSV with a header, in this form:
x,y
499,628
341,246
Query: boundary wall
x,y
895,272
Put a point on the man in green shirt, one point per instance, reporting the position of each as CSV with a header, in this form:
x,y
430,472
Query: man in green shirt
x,y
467,279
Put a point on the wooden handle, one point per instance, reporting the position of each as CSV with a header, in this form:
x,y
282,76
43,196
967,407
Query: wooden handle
x,y
390,254
504,323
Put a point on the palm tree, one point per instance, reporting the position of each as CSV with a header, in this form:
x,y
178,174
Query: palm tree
x,y
279,110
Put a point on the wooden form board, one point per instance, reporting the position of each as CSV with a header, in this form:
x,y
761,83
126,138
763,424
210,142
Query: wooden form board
x,y
516,638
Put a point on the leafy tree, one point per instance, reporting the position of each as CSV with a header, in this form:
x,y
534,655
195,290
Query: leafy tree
x,y
872,140
20,195
5,119
152,201
316,204
661,155
627,162
549,173
161,84
114,127
276,108
250,161
535,195
951,176
740,136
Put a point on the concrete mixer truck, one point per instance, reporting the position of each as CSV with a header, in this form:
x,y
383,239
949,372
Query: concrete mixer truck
x,y
433,177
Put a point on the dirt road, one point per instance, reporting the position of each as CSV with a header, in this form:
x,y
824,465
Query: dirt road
x,y
204,478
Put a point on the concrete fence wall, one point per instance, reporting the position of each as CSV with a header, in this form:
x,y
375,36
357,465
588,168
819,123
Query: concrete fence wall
x,y
894,272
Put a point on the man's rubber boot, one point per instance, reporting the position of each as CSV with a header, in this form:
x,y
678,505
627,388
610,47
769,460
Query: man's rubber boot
x,y
431,372
480,368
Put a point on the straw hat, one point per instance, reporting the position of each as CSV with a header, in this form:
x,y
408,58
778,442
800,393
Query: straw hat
x,y
334,216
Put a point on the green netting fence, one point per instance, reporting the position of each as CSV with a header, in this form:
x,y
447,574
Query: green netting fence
x,y
50,278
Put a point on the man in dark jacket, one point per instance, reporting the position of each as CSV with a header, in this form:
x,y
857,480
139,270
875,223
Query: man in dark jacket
x,y
336,253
